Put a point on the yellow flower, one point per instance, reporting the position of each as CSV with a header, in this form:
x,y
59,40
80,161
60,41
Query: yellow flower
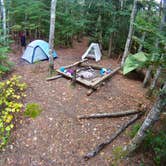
x,y
9,118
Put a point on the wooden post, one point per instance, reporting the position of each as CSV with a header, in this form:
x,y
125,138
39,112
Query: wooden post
x,y
74,77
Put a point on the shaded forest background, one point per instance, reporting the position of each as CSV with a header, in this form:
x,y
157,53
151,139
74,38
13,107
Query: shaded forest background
x,y
106,22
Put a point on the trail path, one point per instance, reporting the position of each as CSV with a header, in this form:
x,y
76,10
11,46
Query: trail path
x,y
57,137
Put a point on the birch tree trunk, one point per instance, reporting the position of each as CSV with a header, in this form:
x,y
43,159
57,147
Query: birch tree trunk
x,y
155,79
147,76
121,4
152,117
128,41
4,20
142,40
51,35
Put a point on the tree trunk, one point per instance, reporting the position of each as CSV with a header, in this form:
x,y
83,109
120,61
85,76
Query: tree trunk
x,y
121,4
110,46
128,41
151,118
4,20
99,31
51,34
110,115
142,40
36,33
147,76
155,79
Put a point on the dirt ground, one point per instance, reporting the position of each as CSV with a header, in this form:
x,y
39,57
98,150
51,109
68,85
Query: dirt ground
x,y
57,137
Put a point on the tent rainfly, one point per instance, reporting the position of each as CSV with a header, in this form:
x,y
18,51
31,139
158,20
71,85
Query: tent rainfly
x,y
37,50
93,52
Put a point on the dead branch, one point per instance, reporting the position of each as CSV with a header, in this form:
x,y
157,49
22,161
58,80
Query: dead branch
x,y
109,115
112,138
74,77
54,77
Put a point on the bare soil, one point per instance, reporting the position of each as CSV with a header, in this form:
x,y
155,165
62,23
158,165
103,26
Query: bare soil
x,y
57,137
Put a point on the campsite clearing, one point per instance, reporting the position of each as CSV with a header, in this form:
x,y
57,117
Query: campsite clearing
x,y
57,137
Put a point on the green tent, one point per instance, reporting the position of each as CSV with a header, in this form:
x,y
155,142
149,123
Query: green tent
x,y
134,61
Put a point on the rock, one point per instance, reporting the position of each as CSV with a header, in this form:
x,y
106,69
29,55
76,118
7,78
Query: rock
x,y
50,119
34,138
11,147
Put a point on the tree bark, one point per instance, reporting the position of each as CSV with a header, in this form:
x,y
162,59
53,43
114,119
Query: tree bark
x,y
54,77
147,76
110,46
154,81
128,41
142,40
110,115
4,20
100,32
121,4
152,117
52,31
74,77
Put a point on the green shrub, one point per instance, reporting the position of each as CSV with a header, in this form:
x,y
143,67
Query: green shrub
x,y
156,142
11,92
32,110
5,65
118,153
134,130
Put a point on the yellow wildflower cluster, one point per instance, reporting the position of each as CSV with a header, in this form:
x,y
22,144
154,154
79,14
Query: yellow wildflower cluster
x,y
11,92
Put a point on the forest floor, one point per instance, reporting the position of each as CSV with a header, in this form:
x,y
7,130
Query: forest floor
x,y
57,137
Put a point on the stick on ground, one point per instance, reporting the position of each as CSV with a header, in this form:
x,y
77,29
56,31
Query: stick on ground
x,y
109,115
54,77
113,137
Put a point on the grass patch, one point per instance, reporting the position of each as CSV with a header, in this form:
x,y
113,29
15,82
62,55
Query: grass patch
x,y
32,110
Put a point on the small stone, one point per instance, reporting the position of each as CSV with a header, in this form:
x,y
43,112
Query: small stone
x,y
35,138
50,119
11,147
102,153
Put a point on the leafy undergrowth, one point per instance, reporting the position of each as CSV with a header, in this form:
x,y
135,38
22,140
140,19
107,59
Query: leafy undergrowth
x,y
154,145
5,64
32,110
11,93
